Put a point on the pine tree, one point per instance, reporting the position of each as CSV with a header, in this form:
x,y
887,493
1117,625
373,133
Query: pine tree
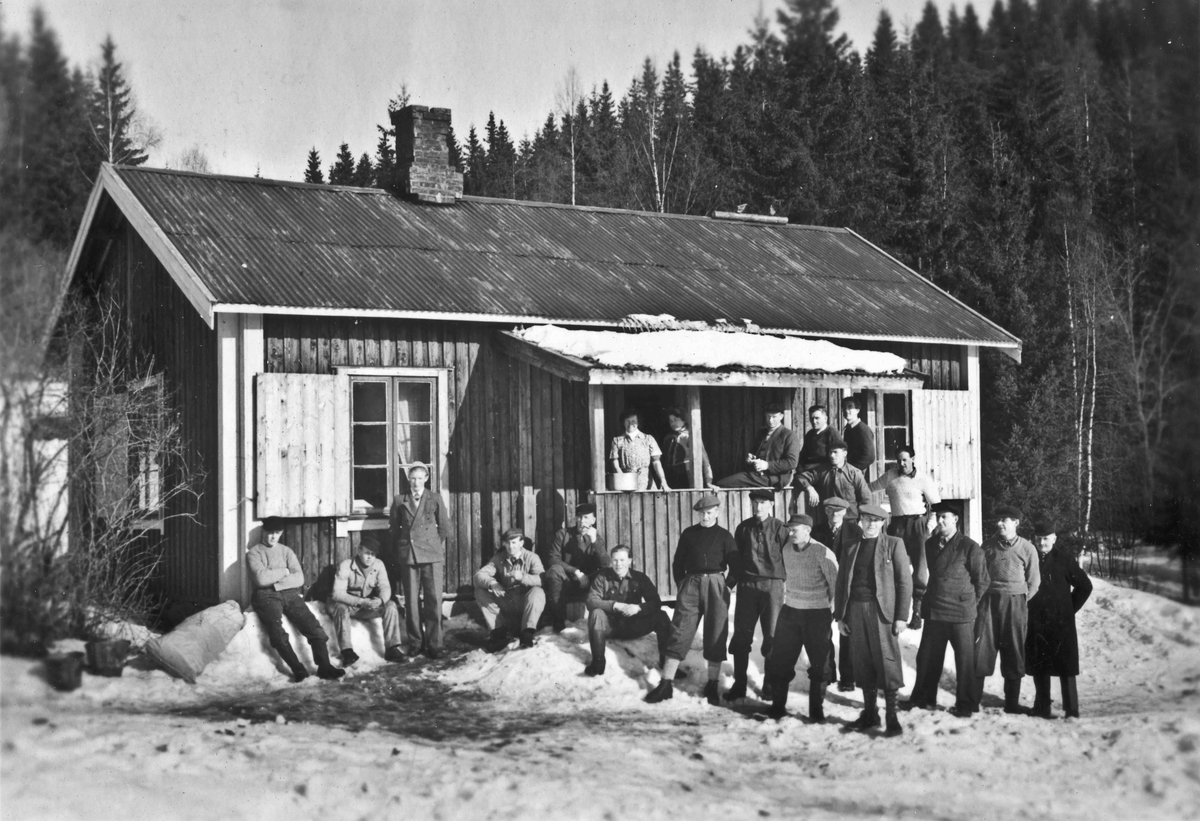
x,y
475,174
364,173
342,170
313,172
119,134
385,160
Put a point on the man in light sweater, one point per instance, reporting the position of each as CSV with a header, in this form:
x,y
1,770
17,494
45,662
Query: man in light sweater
x,y
805,620
1003,618
277,577
361,590
508,590
911,495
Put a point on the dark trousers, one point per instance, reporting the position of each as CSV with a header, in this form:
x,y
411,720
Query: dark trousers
x,y
271,606
931,658
701,596
424,622
798,630
746,478
602,626
911,530
562,587
877,662
758,602
845,662
1000,628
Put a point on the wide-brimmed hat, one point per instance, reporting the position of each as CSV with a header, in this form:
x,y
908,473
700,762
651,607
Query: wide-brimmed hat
x,y
1045,527
706,501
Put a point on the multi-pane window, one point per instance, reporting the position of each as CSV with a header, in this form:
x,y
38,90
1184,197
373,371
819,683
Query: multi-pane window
x,y
895,427
393,427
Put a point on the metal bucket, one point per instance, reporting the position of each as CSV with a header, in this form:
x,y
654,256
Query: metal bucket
x,y
107,658
64,671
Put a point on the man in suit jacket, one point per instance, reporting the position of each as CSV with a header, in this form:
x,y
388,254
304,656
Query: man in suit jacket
x,y
419,526
774,460
874,590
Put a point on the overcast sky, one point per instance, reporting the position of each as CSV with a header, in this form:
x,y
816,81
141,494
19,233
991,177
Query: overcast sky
x,y
255,84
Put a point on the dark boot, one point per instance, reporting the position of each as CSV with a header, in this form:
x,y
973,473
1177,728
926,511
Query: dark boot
x,y
596,668
741,663
527,638
497,641
349,657
712,692
1012,696
869,717
778,699
662,692
816,702
892,725
325,668
285,651
1070,696
1041,696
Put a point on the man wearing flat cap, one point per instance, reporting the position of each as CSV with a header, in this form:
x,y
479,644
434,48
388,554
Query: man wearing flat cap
x,y
705,551
837,529
758,574
1003,618
361,590
775,454
958,578
836,478
577,554
805,619
508,590
874,591
1052,646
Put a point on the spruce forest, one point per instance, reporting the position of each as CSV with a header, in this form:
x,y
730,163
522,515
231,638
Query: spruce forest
x,y
1038,160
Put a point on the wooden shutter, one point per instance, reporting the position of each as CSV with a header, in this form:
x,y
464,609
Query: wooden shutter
x,y
944,437
303,445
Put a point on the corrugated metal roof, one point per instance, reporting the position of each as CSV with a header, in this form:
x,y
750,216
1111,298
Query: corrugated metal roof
x,y
288,245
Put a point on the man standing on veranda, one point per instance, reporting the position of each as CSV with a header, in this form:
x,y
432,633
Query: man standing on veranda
x,y
911,494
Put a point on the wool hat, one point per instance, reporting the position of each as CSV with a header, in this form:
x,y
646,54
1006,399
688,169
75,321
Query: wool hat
x,y
584,509
947,506
1007,512
836,503
706,501
762,495
1045,527
512,533
872,510
800,519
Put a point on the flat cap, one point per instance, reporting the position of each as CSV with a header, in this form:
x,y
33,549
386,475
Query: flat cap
x,y
512,533
272,524
706,501
369,541
584,509
872,510
800,519
762,495
836,502
1007,512
1044,527
947,506
774,407
837,443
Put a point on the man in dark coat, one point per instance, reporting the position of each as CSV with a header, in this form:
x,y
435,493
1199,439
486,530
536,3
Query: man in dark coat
x,y
838,479
814,453
679,451
958,578
577,554
419,527
623,604
773,461
1052,646
874,591
1003,617
859,438
759,575
705,551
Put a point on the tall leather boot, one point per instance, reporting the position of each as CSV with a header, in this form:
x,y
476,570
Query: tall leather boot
x,y
1012,695
869,717
1041,696
1070,696
778,699
741,662
816,702
325,669
892,726
285,651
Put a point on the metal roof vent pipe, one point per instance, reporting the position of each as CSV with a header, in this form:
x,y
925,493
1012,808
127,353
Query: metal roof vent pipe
x,y
423,169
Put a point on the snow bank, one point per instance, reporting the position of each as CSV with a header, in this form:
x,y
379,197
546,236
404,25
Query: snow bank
x,y
658,350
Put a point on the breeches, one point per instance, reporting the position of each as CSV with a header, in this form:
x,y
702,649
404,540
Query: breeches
x,y
701,596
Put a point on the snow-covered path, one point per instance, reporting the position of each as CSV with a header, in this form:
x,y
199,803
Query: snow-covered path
x,y
524,735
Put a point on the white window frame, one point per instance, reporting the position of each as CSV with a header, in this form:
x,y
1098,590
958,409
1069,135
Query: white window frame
x,y
439,442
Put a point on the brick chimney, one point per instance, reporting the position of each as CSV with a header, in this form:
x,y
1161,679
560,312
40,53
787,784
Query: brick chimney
x,y
423,170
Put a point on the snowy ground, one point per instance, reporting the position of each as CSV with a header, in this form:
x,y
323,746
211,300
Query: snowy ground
x,y
525,735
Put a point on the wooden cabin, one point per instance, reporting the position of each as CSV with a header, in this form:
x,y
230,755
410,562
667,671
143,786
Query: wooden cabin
x,y
316,340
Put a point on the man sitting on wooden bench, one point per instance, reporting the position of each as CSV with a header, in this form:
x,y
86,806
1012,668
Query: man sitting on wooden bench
x,y
576,556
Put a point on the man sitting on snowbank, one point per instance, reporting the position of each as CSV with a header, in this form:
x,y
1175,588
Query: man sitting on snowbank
x,y
508,590
624,604
361,591
277,577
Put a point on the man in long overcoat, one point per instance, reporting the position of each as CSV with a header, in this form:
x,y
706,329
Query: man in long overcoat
x,y
1052,645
